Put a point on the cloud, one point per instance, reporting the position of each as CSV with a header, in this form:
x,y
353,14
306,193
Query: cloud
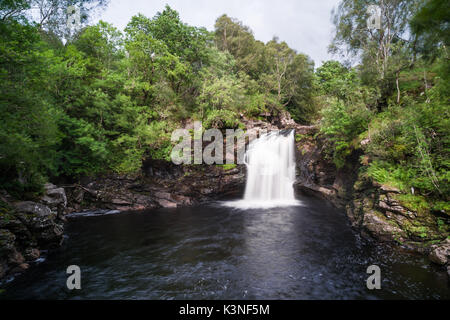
x,y
304,24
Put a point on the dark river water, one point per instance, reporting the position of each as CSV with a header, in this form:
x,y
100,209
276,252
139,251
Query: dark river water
x,y
214,252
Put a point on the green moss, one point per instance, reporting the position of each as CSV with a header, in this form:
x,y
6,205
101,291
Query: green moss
x,y
416,229
420,231
227,167
300,137
413,202
441,225
442,206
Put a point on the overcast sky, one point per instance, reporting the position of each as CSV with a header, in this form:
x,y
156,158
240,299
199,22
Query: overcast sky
x,y
304,24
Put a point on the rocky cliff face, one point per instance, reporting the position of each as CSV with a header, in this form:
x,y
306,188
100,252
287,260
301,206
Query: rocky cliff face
x,y
376,210
159,185
30,227
163,184
317,174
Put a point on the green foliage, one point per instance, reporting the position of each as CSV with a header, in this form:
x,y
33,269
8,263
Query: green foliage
x,y
411,144
443,206
403,79
431,25
28,130
336,80
181,40
342,124
13,9
279,77
227,167
415,203
106,100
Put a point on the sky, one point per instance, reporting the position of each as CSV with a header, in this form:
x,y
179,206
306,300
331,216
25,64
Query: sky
x,y
305,25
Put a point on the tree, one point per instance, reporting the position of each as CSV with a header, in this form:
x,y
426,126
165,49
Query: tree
x,y
50,15
28,123
290,78
13,9
237,39
182,40
381,51
431,26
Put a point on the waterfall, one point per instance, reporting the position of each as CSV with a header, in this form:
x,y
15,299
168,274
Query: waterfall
x,y
270,162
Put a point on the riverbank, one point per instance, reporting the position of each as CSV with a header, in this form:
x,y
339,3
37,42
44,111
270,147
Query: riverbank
x,y
214,252
30,228
376,211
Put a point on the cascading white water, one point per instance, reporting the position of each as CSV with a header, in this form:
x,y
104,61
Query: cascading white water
x,y
270,164
271,168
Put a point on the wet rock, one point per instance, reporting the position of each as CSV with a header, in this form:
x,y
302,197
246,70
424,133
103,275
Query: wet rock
x,y
163,195
24,266
381,229
167,204
32,254
206,191
29,226
7,240
395,207
41,222
33,208
182,200
388,189
51,236
16,226
144,201
121,202
20,268
16,258
195,185
167,200
440,254
54,196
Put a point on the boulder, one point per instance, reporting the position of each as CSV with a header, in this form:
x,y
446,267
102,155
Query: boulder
x,y
395,208
28,226
389,189
440,254
41,222
167,204
16,258
375,223
54,196
33,208
31,254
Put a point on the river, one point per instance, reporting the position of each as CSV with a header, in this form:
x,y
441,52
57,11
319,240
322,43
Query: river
x,y
216,252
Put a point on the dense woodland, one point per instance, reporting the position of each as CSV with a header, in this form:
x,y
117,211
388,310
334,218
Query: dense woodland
x,y
101,100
